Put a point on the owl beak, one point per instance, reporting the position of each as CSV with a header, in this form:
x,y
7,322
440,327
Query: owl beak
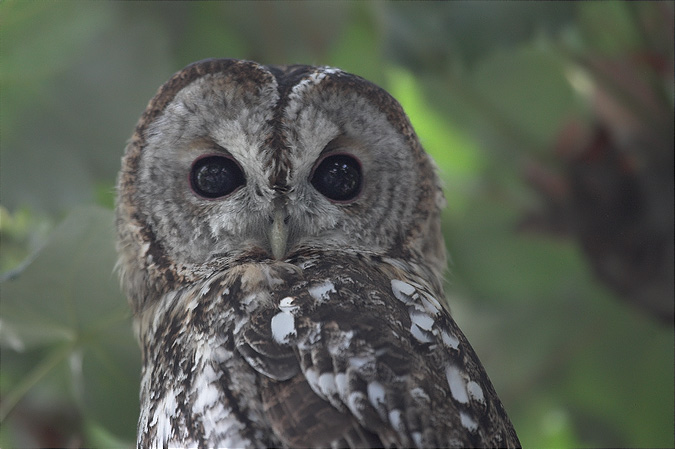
x,y
278,233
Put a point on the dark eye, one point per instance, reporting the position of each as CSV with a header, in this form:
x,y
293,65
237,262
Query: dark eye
x,y
215,176
338,177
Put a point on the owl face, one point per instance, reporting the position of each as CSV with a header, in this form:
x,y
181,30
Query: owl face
x,y
234,161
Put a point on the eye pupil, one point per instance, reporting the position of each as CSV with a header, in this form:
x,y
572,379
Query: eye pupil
x,y
215,176
338,177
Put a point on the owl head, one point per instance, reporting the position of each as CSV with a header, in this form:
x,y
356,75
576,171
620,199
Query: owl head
x,y
235,162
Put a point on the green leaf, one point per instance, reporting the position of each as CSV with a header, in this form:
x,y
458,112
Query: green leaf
x,y
64,321
525,89
357,50
457,156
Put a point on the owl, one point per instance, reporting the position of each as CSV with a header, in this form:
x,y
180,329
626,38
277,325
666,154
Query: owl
x,y
279,243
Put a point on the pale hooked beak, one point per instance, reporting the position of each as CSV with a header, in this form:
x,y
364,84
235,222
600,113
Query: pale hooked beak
x,y
278,233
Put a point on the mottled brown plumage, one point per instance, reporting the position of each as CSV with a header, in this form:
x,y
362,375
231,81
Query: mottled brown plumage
x,y
280,245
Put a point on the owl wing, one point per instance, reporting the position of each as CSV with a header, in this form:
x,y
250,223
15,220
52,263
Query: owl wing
x,y
360,359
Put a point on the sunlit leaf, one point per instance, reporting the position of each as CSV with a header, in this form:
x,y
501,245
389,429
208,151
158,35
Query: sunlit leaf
x,y
458,157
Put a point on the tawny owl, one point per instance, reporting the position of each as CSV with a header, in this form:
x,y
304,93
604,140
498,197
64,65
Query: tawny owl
x,y
280,244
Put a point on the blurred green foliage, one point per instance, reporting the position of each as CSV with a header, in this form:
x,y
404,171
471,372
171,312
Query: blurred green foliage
x,y
488,87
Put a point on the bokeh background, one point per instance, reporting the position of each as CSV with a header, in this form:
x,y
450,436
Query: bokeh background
x,y
552,125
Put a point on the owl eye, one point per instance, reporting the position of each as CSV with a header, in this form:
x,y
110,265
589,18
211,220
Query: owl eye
x,y
338,177
215,176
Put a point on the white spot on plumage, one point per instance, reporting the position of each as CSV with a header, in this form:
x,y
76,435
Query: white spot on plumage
x,y
431,305
207,394
417,438
322,291
419,334
330,70
327,384
358,362
166,407
402,290
287,304
341,384
420,310
312,377
468,421
457,384
396,421
144,248
313,79
283,323
450,340
220,354
475,391
283,327
422,320
376,394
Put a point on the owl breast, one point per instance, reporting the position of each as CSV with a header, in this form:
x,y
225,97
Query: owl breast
x,y
308,357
